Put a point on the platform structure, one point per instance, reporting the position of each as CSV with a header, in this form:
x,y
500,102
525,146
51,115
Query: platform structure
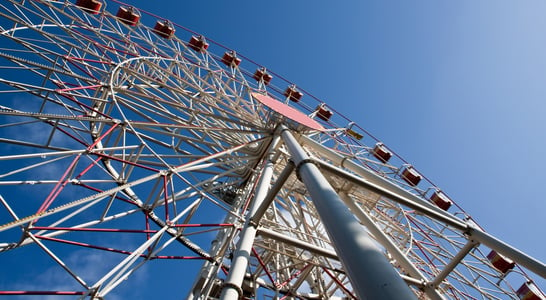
x,y
132,145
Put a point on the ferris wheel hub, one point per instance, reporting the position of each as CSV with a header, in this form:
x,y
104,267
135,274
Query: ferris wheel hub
x,y
288,111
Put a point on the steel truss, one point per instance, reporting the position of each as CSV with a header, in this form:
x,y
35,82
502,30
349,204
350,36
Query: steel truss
x,y
124,144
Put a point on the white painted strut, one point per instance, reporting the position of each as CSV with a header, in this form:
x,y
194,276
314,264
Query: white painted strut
x,y
232,286
369,271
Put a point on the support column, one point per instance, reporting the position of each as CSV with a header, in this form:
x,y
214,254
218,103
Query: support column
x,y
232,286
386,242
370,273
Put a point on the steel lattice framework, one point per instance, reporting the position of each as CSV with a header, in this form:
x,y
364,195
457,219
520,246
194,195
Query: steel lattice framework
x,y
125,140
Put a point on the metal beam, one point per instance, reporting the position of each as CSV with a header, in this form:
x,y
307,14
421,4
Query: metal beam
x,y
421,206
232,286
471,244
503,248
369,271
297,243
372,177
386,242
281,179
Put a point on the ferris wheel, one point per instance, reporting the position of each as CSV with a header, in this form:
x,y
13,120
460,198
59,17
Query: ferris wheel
x,y
140,156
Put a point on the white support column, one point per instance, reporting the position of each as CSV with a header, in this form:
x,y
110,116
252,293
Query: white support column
x,y
232,286
370,273
259,212
386,242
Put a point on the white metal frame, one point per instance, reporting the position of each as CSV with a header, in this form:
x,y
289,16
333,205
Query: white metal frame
x,y
110,133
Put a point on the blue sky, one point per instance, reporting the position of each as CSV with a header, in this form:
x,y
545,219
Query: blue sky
x,y
456,88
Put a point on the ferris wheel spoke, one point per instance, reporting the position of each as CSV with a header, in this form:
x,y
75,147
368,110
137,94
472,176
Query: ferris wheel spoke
x,y
58,261
123,269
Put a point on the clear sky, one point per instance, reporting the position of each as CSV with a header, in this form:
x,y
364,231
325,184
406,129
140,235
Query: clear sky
x,y
457,88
